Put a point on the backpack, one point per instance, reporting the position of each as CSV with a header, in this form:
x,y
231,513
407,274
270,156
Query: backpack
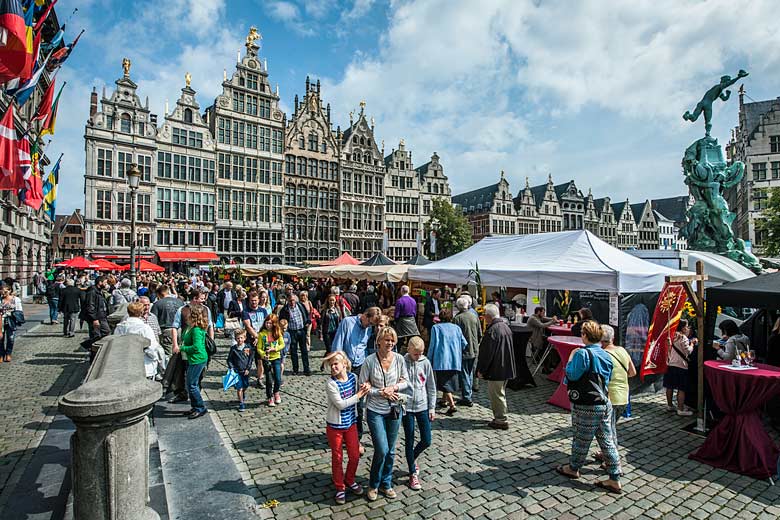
x,y
589,389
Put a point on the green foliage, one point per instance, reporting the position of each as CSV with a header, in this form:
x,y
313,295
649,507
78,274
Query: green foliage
x,y
770,224
453,231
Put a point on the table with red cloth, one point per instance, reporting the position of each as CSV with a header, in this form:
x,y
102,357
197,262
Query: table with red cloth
x,y
739,443
565,345
560,330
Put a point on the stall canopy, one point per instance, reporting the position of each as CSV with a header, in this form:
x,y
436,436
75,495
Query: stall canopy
x,y
187,256
344,259
759,292
79,262
380,273
418,260
261,269
719,269
379,259
575,260
143,266
107,265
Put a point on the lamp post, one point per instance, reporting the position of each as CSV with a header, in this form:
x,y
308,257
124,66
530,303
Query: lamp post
x,y
133,179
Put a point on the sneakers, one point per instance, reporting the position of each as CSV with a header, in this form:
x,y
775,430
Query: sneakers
x,y
463,402
271,402
684,413
277,398
498,425
260,384
389,492
414,482
356,488
341,498
372,495
241,406
670,408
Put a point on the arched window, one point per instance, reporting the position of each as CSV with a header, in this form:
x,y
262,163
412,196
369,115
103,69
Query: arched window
x,y
125,125
313,254
289,253
187,115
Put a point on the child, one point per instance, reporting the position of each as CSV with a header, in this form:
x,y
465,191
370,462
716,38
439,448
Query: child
x,y
270,344
240,359
287,339
343,395
420,406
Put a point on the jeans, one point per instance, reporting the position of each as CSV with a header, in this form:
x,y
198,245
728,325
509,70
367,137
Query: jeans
x,y
384,434
466,378
336,439
298,339
193,389
69,323
7,342
424,422
53,313
273,377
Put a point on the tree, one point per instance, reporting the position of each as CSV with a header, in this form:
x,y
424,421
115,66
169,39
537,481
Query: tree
x,y
453,231
769,224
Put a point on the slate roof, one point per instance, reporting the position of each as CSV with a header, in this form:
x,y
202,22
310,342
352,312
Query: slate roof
x,y
637,209
561,189
422,170
538,193
673,208
753,113
476,197
618,207
59,222
599,204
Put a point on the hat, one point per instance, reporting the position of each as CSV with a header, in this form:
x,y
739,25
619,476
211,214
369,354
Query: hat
x,y
353,287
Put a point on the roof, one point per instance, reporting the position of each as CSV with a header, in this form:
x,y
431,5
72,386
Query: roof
x,y
618,208
599,204
422,170
638,209
760,291
378,259
538,193
673,208
476,197
59,222
561,189
753,113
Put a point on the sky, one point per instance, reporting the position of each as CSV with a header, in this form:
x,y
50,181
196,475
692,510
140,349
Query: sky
x,y
592,90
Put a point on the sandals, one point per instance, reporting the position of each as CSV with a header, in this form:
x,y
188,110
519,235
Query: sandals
x,y
608,488
565,473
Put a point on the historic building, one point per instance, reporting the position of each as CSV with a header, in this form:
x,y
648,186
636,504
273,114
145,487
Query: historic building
x,y
121,133
362,189
627,235
548,207
672,209
572,205
67,236
647,225
185,190
489,210
248,127
607,222
592,219
755,142
527,212
311,183
409,194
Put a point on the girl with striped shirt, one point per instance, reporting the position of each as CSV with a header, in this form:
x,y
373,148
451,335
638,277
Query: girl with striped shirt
x,y
343,396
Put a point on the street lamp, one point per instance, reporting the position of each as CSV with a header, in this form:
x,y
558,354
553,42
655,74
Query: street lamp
x,y
133,179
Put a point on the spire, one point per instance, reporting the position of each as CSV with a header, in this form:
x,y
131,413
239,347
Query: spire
x,y
147,102
295,105
265,64
318,86
166,107
308,84
502,175
327,111
362,106
277,90
527,184
104,92
549,178
224,74
238,56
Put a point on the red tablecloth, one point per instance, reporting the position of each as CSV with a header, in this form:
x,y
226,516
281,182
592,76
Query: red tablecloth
x,y
739,443
564,345
560,330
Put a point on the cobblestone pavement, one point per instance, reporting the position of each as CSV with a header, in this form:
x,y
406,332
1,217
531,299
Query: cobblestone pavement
x,y
45,366
472,471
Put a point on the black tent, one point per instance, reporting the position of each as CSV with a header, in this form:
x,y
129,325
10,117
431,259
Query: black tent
x,y
760,292
378,259
418,260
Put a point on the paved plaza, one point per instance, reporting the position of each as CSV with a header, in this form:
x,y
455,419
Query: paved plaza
x,y
469,472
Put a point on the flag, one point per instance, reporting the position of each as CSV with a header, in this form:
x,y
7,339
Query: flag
x,y
44,108
59,56
9,153
666,317
17,40
51,118
50,190
45,15
32,193
24,167
28,87
55,40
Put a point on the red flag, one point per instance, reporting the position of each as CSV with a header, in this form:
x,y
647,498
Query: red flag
x,y
32,58
661,332
24,166
44,109
45,15
32,192
9,153
18,40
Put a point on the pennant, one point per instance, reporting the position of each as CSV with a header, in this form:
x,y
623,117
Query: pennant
x,y
17,41
51,118
50,190
666,317
44,108
9,153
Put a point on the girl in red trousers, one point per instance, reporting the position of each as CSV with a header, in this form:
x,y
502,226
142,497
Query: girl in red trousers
x,y
343,395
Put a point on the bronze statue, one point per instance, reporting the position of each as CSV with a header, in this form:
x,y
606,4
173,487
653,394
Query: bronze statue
x,y
718,91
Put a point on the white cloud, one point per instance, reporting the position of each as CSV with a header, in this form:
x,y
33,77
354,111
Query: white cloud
x,y
358,10
289,14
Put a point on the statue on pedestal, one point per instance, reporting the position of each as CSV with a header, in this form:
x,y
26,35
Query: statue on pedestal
x,y
707,175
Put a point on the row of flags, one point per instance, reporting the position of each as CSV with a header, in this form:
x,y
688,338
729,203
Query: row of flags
x,y
23,60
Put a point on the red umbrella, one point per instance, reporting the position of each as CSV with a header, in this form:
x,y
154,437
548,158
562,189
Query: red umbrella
x,y
144,266
107,265
79,262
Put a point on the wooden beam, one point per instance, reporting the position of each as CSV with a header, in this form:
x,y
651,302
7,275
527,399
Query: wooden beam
x,y
684,278
701,421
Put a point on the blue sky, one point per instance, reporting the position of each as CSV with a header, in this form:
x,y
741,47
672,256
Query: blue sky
x,y
591,91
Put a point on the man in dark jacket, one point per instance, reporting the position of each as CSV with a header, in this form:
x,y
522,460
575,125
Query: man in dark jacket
x,y
297,318
431,310
53,289
96,310
496,364
165,310
70,306
352,299
225,296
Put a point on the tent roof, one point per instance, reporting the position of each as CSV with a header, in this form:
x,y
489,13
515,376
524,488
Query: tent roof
x,y
107,265
78,262
575,260
378,259
718,268
344,259
144,266
759,291
418,260
389,273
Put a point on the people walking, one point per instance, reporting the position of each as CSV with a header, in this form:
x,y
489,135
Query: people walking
x,y
10,305
53,288
240,359
194,346
70,306
472,331
270,344
420,406
297,318
676,376
329,323
405,315
496,364
96,312
445,351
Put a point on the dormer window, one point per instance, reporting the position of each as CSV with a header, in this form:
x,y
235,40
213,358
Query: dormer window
x,y
187,115
125,124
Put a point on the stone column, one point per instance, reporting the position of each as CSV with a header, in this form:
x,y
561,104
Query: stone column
x,y
110,449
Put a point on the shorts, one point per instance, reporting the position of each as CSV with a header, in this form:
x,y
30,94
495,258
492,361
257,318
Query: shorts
x,y
676,378
243,382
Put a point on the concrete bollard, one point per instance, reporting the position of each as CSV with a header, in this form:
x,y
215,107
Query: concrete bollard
x,y
110,449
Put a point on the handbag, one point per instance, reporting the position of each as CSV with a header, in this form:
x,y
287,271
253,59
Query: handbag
x,y
211,346
232,324
230,379
395,408
589,389
18,317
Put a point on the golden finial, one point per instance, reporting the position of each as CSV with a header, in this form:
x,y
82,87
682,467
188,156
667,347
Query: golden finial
x,y
187,79
253,35
362,105
126,66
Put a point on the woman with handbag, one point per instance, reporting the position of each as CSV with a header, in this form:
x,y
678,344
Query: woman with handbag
x,y
386,372
12,316
676,376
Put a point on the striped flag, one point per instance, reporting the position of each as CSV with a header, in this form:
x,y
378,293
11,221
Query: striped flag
x,y
51,118
9,153
50,190
17,41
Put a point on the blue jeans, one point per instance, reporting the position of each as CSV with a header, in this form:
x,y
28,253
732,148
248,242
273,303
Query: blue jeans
x,y
273,377
53,304
466,377
412,451
298,339
7,341
384,434
193,387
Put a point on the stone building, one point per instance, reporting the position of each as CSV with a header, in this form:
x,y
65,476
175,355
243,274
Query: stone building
x,y
185,190
489,210
572,205
755,142
527,212
627,235
548,207
672,209
362,189
647,225
592,219
311,184
248,128
67,236
607,221
121,132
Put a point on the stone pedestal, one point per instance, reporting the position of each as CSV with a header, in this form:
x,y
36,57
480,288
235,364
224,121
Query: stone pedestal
x,y
110,449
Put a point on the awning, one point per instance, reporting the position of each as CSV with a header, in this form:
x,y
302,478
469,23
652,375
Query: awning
x,y
187,256
120,257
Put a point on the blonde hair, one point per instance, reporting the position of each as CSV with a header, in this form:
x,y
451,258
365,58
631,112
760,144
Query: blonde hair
x,y
592,331
135,309
386,331
415,343
199,317
339,355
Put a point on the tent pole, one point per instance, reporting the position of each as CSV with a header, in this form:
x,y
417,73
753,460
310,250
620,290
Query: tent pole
x,y
701,421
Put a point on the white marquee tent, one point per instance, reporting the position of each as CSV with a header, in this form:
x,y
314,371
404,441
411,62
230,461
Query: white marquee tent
x,y
574,260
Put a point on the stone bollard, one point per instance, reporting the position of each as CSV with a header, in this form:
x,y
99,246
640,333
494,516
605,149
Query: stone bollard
x,y
110,449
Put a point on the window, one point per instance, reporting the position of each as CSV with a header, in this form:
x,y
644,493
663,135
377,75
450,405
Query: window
x,y
251,105
379,184
123,206
164,165
264,171
238,205
774,143
180,167
143,207
103,238
179,136
224,130
238,168
301,142
759,171
346,182
264,109
208,171
179,205
145,165
313,168
264,143
251,81
276,142
125,125
775,170
103,204
125,161
194,207
224,165
163,203
110,121
251,169
195,172
251,136
289,162
238,102
105,162
313,142
324,147
195,140
276,173
187,115
223,207
238,133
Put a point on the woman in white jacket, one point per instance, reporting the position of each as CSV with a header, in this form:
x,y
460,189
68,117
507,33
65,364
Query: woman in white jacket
x,y
343,397
154,357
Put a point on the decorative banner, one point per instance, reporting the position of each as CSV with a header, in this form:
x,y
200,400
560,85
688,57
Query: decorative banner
x,y
661,333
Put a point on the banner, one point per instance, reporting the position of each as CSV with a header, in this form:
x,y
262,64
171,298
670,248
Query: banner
x,y
661,332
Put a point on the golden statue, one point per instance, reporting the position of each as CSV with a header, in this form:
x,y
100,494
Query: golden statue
x,y
187,79
252,36
126,66
362,105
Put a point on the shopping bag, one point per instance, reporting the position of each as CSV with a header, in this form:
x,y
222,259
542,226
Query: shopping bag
x,y
220,324
230,379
